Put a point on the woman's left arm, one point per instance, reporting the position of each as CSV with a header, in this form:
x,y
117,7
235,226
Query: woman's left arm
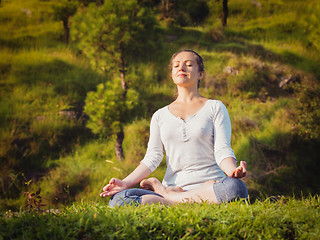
x,y
222,144
228,165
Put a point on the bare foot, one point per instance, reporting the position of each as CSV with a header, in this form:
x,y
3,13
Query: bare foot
x,y
145,184
154,185
175,189
149,183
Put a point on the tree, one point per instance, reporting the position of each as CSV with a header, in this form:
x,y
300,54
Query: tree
x,y
166,6
225,12
110,36
196,11
219,7
106,109
62,12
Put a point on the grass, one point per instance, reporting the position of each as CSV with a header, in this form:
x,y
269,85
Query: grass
x,y
43,79
286,218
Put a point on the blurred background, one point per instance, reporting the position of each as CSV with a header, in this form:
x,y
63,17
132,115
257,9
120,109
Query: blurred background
x,y
80,80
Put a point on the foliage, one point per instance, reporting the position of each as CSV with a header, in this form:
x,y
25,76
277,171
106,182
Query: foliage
x,y
190,13
106,109
110,34
285,218
308,111
64,10
34,199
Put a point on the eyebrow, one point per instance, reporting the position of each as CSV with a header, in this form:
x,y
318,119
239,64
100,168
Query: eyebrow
x,y
183,61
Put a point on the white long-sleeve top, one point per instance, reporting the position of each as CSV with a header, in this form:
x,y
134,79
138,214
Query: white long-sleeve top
x,y
194,147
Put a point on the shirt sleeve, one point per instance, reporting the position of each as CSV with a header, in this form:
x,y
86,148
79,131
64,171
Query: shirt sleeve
x,y
154,154
222,134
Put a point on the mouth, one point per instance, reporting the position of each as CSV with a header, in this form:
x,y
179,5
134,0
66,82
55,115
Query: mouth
x,y
182,75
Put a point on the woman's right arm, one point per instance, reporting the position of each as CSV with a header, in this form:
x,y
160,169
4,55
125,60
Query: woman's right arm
x,y
150,162
116,185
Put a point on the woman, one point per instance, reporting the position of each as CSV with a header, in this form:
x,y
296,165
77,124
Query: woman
x,y
195,133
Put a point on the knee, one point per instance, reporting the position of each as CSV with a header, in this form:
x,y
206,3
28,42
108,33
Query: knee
x,y
118,199
237,189
125,197
231,189
132,196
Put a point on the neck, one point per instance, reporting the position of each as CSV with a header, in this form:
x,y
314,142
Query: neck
x,y
187,94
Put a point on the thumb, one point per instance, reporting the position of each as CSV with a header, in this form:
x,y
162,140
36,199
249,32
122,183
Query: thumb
x,y
243,164
112,181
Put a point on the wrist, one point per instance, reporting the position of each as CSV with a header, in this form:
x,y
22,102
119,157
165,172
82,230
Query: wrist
x,y
228,165
128,183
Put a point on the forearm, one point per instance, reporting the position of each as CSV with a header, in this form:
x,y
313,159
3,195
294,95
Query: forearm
x,y
140,173
228,165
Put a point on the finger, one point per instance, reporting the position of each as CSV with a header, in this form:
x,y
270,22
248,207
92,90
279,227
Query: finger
x,y
236,172
243,164
112,181
107,187
103,194
244,168
239,172
108,193
244,171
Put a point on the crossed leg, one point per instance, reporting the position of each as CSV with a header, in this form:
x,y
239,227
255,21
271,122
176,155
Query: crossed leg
x,y
204,193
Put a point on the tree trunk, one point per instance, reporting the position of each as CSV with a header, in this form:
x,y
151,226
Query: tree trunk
x,y
66,31
118,145
123,76
165,8
224,12
168,7
120,134
123,72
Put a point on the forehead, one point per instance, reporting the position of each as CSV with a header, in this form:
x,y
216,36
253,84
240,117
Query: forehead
x,y
185,56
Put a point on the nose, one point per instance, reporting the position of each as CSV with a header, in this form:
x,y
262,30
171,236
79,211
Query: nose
x,y
182,67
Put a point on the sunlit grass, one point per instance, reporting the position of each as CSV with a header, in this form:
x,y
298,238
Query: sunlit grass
x,y
285,218
40,76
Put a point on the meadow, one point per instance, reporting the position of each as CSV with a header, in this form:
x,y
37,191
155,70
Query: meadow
x,y
282,219
264,66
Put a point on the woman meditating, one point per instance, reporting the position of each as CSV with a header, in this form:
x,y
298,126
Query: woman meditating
x,y
195,134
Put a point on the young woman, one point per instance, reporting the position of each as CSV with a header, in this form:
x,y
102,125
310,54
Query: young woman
x,y
195,134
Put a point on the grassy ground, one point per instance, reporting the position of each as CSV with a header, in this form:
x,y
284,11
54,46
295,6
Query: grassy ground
x,y
44,84
44,141
284,218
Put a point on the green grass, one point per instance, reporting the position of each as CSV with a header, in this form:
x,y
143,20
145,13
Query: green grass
x,y
286,218
275,130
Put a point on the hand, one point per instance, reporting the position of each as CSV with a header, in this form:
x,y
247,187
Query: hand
x,y
240,171
115,185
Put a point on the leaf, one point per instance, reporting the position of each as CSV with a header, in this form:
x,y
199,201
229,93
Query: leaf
x,y
38,192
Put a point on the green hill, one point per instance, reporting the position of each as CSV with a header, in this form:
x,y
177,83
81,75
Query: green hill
x,y
264,65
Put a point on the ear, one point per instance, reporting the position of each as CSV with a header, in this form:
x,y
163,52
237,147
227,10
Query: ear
x,y
201,74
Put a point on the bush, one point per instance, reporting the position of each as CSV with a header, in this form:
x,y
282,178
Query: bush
x,y
107,108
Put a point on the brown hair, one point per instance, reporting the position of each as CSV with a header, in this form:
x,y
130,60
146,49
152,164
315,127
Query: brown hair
x,y
199,59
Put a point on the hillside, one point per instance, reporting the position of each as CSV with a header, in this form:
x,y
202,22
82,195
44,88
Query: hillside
x,y
264,65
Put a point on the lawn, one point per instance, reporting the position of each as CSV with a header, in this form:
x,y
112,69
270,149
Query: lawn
x,y
273,218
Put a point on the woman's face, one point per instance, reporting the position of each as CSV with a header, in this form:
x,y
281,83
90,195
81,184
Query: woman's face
x,y
185,70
